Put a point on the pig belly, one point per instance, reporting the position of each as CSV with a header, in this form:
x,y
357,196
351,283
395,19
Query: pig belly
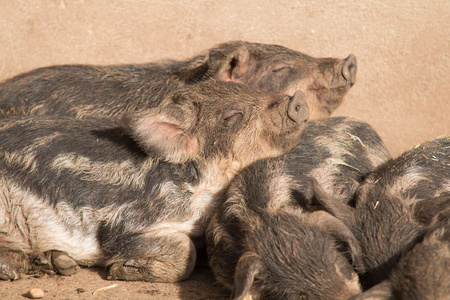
x,y
31,225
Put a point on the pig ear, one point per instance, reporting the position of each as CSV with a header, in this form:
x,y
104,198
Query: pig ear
x,y
248,266
331,225
160,133
338,221
340,210
232,65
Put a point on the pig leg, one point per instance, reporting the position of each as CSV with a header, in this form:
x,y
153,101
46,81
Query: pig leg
x,y
63,264
55,262
8,267
168,259
51,262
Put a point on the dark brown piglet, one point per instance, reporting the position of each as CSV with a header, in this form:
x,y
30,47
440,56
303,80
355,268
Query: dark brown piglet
x,y
134,196
107,91
420,274
396,205
266,239
262,246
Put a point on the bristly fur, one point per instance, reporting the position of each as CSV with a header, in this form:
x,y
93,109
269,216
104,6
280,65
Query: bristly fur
x,y
83,91
268,214
88,188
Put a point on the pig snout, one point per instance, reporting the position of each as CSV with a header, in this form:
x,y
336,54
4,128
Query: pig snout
x,y
297,109
349,69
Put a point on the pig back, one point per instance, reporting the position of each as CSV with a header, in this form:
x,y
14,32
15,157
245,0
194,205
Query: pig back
x,y
338,153
84,163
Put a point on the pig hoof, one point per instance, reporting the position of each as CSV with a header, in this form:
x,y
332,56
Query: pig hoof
x,y
63,264
55,262
124,271
131,270
41,263
7,270
146,270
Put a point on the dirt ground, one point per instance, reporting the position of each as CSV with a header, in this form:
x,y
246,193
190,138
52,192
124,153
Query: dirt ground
x,y
402,90
90,283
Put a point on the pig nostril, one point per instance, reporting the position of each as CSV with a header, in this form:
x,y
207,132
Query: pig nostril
x,y
352,69
297,109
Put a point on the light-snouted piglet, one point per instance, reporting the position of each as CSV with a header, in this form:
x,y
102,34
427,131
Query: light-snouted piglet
x,y
107,91
396,205
136,195
265,239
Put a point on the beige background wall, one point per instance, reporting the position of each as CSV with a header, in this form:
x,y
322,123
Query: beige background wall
x,y
402,46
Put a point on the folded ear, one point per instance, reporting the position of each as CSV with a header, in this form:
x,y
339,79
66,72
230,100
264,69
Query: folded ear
x,y
232,64
248,266
331,225
340,210
160,132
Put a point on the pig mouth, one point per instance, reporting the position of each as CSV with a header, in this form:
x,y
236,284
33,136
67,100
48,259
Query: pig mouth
x,y
336,86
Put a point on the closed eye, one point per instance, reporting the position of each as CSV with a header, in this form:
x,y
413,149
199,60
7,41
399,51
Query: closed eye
x,y
232,118
282,66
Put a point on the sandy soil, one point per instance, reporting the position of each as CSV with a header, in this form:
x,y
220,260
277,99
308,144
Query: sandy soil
x,y
90,283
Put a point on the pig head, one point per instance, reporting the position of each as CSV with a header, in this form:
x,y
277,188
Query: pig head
x,y
273,68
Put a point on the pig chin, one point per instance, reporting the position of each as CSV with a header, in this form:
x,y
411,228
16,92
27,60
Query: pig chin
x,y
322,99
323,102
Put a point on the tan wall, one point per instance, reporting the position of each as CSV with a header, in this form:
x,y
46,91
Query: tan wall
x,y
402,46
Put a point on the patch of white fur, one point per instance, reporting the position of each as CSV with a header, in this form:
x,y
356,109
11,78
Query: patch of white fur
x,y
338,144
123,173
445,189
401,186
279,190
254,143
352,285
326,174
21,111
25,158
89,110
377,155
28,223
216,174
